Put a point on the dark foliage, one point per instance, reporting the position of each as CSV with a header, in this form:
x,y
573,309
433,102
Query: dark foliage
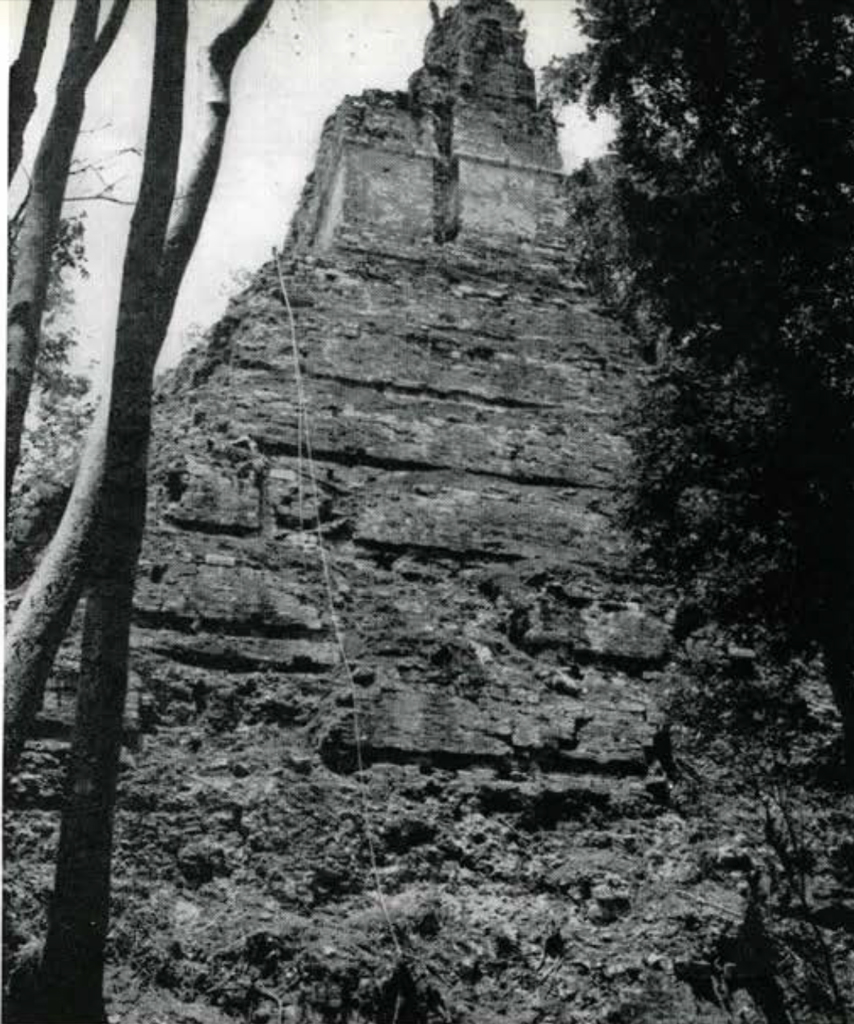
x,y
601,250
737,192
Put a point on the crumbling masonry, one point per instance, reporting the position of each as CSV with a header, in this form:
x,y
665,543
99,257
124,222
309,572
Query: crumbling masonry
x,y
466,405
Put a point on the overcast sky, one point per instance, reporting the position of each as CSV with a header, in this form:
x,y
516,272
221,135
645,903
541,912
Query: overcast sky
x,y
306,58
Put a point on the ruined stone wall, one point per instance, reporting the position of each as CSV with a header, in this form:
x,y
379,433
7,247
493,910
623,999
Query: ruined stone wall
x,y
508,202
465,151
465,402
466,424
374,167
403,189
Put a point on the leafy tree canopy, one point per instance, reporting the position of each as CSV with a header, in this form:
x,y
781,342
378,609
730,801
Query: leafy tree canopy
x,y
735,183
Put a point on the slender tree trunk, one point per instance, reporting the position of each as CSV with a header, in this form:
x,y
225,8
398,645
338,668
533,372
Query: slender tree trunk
x,y
73,961
23,75
71,982
79,911
43,616
42,619
196,190
44,206
28,289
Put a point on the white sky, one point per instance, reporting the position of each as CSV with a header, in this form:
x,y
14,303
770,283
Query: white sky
x,y
308,56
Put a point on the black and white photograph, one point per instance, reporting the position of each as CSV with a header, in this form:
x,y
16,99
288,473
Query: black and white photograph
x,y
429,512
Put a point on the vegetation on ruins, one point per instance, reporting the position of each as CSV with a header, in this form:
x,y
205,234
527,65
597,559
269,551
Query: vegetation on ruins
x,y
734,183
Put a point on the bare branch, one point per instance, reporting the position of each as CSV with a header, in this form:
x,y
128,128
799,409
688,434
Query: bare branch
x,y
99,174
106,193
97,128
81,166
100,197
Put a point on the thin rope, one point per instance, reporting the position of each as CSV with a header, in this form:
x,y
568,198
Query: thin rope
x,y
300,413
300,419
305,437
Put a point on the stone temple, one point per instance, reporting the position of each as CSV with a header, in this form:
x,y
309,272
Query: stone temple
x,y
465,404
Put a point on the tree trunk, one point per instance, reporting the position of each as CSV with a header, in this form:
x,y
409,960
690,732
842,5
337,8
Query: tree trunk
x,y
23,75
195,192
28,289
71,982
43,616
73,961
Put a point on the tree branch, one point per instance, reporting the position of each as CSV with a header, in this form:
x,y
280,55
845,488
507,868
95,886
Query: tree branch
x,y
229,44
99,197
107,35
189,209
23,75
28,286
41,619
97,128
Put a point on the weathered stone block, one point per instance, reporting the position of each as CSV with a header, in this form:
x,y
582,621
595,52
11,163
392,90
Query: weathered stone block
x,y
235,599
207,498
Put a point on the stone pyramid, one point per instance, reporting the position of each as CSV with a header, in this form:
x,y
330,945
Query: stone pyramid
x,y
468,588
